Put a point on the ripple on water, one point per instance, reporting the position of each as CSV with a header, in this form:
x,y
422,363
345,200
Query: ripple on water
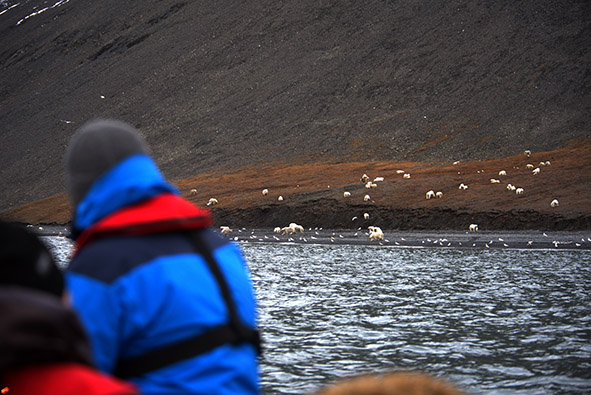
x,y
480,318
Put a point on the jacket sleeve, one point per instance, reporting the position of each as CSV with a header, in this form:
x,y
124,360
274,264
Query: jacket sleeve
x,y
99,308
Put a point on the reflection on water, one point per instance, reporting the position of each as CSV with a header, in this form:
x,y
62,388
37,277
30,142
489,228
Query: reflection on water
x,y
490,321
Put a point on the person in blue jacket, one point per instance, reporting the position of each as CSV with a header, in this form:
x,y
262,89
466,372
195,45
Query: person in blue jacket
x,y
168,303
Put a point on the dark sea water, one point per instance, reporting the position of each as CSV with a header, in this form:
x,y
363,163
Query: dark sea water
x,y
490,321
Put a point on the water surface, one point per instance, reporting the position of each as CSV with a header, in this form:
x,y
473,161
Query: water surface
x,y
490,321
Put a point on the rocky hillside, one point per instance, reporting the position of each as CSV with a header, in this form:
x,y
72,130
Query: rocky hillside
x,y
219,85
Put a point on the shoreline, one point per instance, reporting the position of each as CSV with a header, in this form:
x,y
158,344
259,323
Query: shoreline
x,y
426,239
527,240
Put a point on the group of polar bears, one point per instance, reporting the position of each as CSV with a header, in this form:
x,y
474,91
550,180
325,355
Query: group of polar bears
x,y
375,233
291,229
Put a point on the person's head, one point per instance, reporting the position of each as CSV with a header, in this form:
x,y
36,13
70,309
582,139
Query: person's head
x,y
109,168
398,383
94,149
26,262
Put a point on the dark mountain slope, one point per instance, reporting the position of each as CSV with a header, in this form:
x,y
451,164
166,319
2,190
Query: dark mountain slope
x,y
215,85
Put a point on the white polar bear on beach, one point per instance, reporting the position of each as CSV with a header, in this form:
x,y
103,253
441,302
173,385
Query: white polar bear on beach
x,y
375,233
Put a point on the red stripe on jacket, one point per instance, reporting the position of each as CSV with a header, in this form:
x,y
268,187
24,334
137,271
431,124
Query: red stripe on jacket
x,y
164,213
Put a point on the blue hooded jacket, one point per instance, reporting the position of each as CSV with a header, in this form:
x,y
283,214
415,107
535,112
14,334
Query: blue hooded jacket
x,y
139,284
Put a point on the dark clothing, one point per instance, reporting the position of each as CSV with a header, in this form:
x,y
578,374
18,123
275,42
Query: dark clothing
x,y
26,262
43,348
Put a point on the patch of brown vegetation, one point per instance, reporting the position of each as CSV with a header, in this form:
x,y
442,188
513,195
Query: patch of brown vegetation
x,y
313,194
54,209
432,143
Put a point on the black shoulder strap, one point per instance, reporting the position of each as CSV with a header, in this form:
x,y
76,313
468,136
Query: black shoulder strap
x,y
243,332
233,332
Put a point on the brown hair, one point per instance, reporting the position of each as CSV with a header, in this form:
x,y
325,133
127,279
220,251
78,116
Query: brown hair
x,y
400,383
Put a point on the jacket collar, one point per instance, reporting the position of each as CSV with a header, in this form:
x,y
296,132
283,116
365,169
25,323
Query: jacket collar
x,y
164,213
132,180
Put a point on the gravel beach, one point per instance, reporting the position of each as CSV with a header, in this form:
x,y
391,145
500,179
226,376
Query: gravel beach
x,y
428,239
